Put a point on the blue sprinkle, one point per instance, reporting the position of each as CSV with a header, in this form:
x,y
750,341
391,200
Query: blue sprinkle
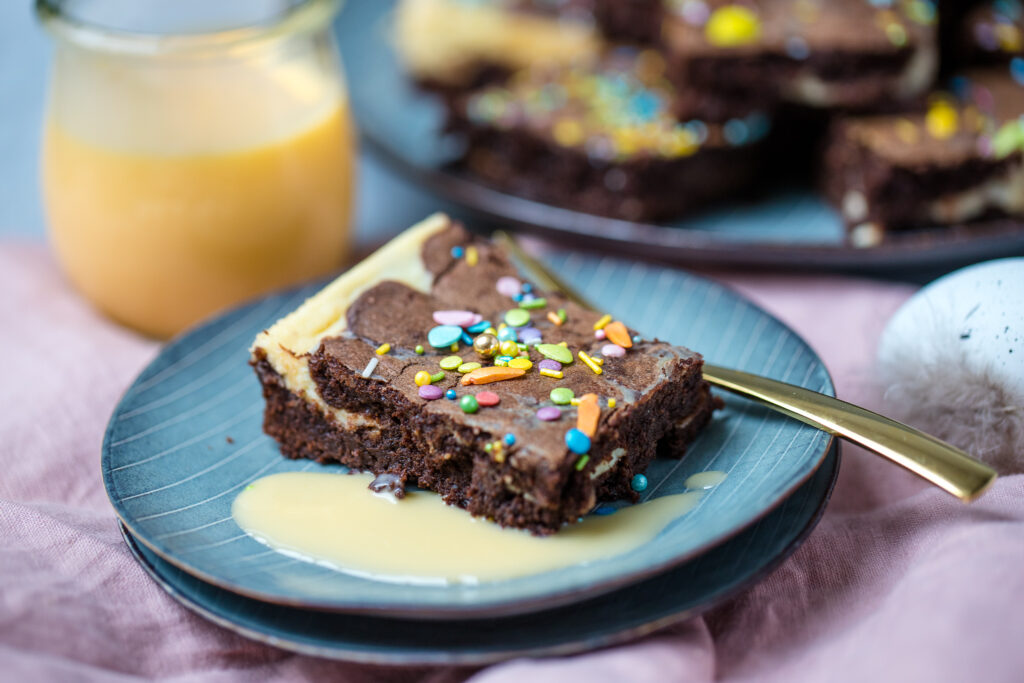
x,y
518,297
603,510
510,439
759,125
479,327
577,441
527,287
1017,69
645,105
637,339
736,132
507,334
466,339
450,394
960,86
444,335
639,482
458,252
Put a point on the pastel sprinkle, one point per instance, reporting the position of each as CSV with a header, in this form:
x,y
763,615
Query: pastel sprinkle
x,y
507,334
556,374
590,362
534,303
555,352
450,394
561,395
548,364
450,362
597,359
527,287
942,120
639,483
471,256
454,347
602,321
383,348
371,366
492,374
508,286
502,361
488,398
588,414
732,25
467,339
574,402
582,462
458,252
618,334
430,392
437,377
509,439
523,363
469,404
468,367
611,402
508,348
444,336
419,349
637,339
549,413
613,351
479,327
457,318
529,335
562,315
422,378
599,335
517,317
553,317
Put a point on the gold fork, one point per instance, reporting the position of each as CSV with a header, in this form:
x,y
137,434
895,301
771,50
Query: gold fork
x,y
940,463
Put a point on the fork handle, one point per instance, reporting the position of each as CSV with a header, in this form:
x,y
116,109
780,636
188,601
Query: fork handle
x,y
940,463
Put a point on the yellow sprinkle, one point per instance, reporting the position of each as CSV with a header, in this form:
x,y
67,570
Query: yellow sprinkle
x,y
471,256
942,120
602,321
523,363
599,361
611,403
568,132
590,362
557,374
732,25
1009,37
468,367
574,401
553,317
502,326
383,348
455,347
565,344
491,330
422,378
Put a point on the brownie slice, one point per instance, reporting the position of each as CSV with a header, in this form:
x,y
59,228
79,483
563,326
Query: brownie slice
x,y
850,54
960,163
333,393
610,137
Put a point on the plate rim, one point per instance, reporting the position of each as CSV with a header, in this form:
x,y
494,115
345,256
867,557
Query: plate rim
x,y
833,453
493,607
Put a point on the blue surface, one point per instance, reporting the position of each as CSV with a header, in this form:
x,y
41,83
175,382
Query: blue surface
x,y
172,474
627,613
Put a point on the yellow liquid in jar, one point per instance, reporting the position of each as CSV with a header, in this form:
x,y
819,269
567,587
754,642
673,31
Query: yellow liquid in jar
x,y
161,227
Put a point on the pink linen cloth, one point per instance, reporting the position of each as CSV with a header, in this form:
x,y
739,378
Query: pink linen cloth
x,y
898,582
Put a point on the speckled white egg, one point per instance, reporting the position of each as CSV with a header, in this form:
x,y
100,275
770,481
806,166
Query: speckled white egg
x,y
971,320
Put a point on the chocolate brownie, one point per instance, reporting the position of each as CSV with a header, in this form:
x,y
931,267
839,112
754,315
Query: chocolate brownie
x,y
960,162
821,53
610,137
355,376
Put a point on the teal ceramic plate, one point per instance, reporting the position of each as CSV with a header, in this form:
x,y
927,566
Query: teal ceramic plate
x,y
788,228
627,613
186,438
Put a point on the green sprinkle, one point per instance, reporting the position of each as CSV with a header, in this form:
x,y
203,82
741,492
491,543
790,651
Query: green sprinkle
x,y
419,349
489,446
437,377
562,315
555,352
469,404
450,362
582,462
250,486
468,367
1008,139
517,317
562,396
534,303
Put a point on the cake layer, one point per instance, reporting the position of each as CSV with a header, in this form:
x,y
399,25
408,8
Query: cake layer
x,y
336,393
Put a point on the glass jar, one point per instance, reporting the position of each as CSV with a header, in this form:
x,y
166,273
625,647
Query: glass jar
x,y
195,153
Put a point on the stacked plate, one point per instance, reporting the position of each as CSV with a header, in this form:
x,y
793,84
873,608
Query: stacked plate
x,y
187,438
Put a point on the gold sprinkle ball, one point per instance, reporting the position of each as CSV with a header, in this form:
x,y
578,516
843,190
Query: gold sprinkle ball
x,y
422,378
509,348
486,345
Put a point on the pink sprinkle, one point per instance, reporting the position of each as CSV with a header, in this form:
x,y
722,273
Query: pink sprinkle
x,y
549,413
477,318
508,286
613,351
431,392
456,318
599,334
488,398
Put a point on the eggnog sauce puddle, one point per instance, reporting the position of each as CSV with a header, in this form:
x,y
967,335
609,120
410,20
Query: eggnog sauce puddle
x,y
335,520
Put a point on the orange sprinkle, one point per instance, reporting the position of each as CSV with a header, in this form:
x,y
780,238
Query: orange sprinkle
x,y
492,374
618,334
553,317
587,414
